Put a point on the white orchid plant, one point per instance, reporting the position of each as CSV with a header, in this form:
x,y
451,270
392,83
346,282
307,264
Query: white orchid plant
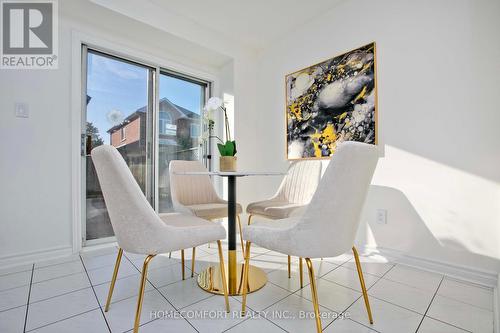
x,y
227,148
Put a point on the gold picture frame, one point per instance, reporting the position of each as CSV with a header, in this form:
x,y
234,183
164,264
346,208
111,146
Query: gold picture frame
x,y
332,101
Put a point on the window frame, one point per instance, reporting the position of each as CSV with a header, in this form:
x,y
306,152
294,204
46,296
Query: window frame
x,y
123,133
198,129
162,129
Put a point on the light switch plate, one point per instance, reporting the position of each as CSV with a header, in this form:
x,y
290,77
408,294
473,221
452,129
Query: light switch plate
x,y
22,110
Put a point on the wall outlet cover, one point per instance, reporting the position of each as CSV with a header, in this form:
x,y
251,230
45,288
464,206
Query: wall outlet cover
x,y
22,110
381,217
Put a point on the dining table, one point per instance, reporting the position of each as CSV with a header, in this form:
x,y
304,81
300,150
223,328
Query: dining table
x,y
210,279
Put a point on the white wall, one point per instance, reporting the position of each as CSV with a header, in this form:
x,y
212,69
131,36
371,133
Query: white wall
x,y
35,170
438,79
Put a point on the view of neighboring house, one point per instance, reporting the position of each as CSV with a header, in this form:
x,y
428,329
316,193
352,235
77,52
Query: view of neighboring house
x,y
177,127
178,132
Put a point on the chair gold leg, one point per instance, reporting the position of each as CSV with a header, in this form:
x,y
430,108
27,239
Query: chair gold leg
x,y
245,279
301,274
192,261
183,267
249,219
314,293
289,266
223,275
241,235
144,276
363,286
113,279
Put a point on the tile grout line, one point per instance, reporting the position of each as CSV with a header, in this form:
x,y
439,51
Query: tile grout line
x,y
364,325
430,303
63,294
198,301
95,295
249,318
10,289
452,325
465,303
58,263
163,296
397,305
291,292
267,307
342,312
61,320
58,277
12,308
305,285
29,295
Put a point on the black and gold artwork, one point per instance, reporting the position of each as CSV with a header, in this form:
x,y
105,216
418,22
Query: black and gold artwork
x,y
332,102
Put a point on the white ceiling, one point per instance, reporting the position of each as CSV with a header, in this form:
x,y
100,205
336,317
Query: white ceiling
x,y
256,23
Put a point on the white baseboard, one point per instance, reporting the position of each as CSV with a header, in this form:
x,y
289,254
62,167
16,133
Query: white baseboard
x,y
496,306
488,279
99,248
35,256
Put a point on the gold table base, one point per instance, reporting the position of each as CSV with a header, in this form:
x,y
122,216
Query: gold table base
x,y
210,280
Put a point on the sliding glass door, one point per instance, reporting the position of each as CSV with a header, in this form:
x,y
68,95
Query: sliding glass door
x,y
179,127
152,116
119,112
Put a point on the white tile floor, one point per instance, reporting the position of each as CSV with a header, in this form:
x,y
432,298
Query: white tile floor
x,y
68,295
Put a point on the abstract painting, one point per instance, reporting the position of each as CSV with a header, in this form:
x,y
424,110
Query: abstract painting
x,y
332,102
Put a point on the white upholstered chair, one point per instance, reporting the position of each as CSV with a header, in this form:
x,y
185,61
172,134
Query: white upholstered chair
x,y
139,229
329,224
294,193
195,195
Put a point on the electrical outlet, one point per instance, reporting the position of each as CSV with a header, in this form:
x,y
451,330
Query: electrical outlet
x,y
381,217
